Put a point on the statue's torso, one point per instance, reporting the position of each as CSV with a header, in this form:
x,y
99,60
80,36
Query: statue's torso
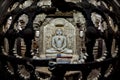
x,y
59,41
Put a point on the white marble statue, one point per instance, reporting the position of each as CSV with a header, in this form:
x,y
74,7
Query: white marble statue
x,y
59,43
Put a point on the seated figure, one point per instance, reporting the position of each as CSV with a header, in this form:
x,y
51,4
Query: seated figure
x,y
59,43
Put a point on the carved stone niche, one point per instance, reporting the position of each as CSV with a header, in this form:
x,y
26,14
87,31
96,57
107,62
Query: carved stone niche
x,y
49,31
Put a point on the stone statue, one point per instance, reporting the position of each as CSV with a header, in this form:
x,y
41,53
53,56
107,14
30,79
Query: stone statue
x,y
22,22
59,43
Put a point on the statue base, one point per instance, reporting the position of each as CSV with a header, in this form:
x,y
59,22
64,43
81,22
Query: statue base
x,y
60,58
60,55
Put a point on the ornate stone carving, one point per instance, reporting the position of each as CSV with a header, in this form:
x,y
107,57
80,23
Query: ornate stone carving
x,y
69,32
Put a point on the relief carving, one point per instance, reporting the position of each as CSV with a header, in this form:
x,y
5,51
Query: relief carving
x,y
59,36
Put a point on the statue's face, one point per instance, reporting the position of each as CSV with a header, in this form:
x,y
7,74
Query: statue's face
x,y
59,32
22,21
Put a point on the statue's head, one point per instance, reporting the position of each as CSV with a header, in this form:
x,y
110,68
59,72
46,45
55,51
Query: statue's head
x,y
59,32
23,20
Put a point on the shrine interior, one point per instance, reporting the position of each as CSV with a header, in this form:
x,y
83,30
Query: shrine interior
x,y
59,40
